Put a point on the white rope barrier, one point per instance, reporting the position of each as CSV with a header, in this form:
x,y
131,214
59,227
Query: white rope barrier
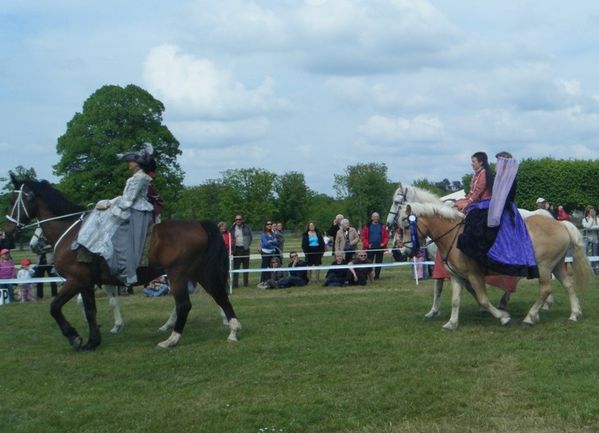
x,y
254,270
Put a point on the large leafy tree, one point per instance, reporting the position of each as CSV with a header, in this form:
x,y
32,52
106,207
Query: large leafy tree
x,y
249,191
365,188
113,120
292,199
203,201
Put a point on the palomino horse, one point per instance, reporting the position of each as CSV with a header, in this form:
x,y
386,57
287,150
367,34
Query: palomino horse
x,y
184,250
550,239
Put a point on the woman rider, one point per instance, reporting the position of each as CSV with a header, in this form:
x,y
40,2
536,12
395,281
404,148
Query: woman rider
x,y
494,233
116,229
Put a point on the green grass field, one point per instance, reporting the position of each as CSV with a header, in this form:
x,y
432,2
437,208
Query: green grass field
x,y
309,359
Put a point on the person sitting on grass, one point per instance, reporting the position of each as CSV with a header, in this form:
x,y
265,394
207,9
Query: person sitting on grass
x,y
337,277
275,275
359,276
295,278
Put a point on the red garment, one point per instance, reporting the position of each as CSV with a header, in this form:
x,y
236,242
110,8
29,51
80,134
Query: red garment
x,y
562,215
384,236
478,190
227,240
507,283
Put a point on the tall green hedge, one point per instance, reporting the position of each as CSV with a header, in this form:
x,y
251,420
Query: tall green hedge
x,y
573,183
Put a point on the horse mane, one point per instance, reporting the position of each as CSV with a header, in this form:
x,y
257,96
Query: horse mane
x,y
425,203
57,203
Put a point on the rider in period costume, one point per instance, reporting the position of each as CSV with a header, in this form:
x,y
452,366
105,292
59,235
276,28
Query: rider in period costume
x,y
116,229
494,233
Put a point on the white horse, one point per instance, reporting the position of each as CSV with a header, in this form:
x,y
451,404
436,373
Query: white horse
x,y
550,238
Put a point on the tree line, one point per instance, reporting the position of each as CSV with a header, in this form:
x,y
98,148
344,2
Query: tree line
x,y
118,119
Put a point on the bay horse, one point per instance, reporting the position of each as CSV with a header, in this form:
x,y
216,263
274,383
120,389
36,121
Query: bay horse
x,y
550,238
184,250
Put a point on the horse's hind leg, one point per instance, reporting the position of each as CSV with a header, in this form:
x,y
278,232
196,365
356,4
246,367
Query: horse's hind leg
x,y
220,296
182,306
568,282
532,316
65,294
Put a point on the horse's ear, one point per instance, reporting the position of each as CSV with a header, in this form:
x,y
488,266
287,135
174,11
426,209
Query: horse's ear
x,y
16,183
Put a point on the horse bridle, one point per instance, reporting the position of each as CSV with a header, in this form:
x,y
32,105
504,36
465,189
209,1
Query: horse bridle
x,y
432,241
17,206
19,203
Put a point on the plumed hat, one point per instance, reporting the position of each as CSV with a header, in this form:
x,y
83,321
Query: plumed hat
x,y
142,157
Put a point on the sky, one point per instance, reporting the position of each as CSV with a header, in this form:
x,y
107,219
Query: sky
x,y
311,86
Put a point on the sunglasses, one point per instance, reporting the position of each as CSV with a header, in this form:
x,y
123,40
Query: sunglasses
x,y
237,219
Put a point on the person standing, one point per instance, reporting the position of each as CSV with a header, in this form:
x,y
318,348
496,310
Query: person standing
x,y
6,241
241,238
332,231
222,226
562,214
375,238
45,261
277,230
7,271
346,240
268,248
590,224
25,289
313,247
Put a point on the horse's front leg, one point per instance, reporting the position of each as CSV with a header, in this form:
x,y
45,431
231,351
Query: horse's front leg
x,y
66,293
182,306
434,312
456,289
480,288
89,304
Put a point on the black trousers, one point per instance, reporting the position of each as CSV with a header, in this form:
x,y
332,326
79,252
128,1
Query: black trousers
x,y
375,257
239,262
41,269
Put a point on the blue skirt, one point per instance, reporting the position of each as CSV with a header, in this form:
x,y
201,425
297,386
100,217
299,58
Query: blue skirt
x,y
506,249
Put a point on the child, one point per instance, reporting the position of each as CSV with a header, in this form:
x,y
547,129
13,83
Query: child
x,y
7,271
25,289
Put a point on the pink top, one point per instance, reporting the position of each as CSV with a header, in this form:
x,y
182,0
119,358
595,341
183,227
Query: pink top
x,y
7,270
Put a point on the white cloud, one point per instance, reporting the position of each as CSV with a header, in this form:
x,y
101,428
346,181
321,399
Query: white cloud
x,y
210,133
197,87
384,129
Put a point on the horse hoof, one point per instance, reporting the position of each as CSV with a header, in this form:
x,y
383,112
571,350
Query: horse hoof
x,y
432,314
171,341
235,327
166,327
76,343
505,321
449,327
117,328
88,347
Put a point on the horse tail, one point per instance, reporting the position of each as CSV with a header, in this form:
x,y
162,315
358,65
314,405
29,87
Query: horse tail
x,y
580,263
215,261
